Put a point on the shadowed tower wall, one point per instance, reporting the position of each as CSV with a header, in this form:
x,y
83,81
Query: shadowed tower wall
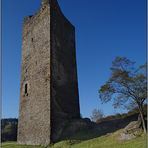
x,y
49,89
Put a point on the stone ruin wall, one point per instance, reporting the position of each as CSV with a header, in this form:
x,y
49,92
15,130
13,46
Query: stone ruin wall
x,y
34,118
50,74
65,97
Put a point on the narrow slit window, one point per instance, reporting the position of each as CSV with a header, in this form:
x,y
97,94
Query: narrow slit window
x,y
26,89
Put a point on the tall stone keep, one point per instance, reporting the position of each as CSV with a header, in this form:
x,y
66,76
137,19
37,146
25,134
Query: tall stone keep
x,y
49,88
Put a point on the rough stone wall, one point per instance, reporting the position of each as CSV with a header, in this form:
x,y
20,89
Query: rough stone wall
x,y
34,119
49,89
64,84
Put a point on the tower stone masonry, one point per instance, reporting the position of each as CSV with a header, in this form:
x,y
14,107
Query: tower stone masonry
x,y
49,96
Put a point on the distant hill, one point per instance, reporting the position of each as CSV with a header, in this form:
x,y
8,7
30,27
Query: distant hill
x,y
9,129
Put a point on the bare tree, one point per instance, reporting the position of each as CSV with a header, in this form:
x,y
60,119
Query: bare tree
x,y
96,115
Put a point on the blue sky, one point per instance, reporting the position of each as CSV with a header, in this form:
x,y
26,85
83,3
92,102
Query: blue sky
x,y
104,29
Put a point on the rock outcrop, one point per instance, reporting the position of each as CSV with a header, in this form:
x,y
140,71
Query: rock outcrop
x,y
132,130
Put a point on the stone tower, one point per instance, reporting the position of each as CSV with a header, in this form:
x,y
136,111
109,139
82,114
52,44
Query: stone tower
x,y
49,89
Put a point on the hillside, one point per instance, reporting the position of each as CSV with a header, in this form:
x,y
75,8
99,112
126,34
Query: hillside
x,y
106,141
9,129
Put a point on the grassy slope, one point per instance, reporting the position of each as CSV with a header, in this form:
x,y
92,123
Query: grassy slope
x,y
109,141
105,142
14,145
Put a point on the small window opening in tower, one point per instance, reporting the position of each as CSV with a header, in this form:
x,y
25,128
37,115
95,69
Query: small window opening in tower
x,y
26,89
32,39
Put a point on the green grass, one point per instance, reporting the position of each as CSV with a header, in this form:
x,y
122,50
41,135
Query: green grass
x,y
14,145
104,142
109,141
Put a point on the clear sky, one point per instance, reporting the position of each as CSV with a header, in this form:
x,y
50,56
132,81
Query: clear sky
x,y
104,29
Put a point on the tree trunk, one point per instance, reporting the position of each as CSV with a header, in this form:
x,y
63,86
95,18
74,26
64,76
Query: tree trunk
x,y
142,118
